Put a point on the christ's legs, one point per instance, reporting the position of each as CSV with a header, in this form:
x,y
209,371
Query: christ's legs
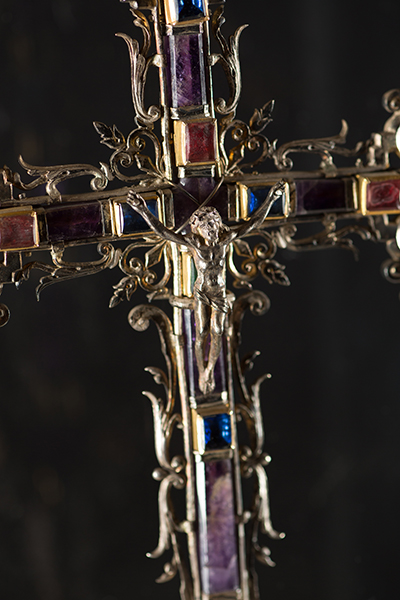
x,y
202,320
217,330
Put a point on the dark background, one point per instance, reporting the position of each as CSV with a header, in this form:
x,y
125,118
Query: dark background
x,y
78,506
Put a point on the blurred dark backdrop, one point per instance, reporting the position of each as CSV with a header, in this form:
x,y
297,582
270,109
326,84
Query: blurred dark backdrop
x,y
78,506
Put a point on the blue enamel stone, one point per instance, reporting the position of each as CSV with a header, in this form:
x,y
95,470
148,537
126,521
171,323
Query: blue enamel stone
x,y
190,9
217,432
132,222
256,197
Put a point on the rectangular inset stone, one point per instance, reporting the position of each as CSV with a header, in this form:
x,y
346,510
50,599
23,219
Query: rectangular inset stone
x,y
185,70
252,197
217,432
18,229
383,196
325,195
195,142
184,10
218,552
128,220
201,142
74,222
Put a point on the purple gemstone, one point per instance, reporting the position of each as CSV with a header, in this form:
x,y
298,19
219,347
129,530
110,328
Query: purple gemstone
x,y
200,188
324,195
218,552
74,222
186,81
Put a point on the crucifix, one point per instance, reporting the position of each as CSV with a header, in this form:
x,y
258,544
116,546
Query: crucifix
x,y
185,186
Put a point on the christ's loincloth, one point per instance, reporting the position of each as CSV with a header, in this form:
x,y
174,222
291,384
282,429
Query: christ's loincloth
x,y
218,302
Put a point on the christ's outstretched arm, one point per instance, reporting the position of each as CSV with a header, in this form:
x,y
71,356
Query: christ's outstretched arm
x,y
258,217
137,202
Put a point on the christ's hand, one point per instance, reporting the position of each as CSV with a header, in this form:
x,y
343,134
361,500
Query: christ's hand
x,y
136,200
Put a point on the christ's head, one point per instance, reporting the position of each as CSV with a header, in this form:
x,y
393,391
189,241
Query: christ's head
x,y
207,222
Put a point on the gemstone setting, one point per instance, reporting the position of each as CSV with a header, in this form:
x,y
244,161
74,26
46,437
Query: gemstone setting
x,y
325,195
195,142
217,527
74,222
18,229
186,78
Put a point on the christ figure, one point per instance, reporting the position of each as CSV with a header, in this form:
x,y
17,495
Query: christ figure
x,y
208,242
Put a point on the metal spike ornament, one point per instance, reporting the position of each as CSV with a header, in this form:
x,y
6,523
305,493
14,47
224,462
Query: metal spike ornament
x,y
191,206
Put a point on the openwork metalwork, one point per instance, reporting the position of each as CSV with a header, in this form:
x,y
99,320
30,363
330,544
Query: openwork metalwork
x,y
189,207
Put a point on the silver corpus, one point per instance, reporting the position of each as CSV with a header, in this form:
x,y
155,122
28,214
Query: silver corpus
x,y
146,168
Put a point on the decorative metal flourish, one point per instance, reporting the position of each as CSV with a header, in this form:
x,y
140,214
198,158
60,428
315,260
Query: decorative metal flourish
x,y
129,152
248,137
382,144
391,266
323,146
54,175
253,458
62,270
139,68
229,60
256,260
140,273
170,472
329,237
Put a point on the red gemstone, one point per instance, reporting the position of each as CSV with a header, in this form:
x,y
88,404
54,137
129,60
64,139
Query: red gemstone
x,y
200,142
383,195
18,231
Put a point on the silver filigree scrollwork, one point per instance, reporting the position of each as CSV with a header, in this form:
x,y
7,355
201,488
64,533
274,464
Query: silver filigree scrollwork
x,y
140,64
260,259
329,237
62,270
170,472
140,273
253,458
323,146
250,137
247,137
229,60
54,175
129,152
